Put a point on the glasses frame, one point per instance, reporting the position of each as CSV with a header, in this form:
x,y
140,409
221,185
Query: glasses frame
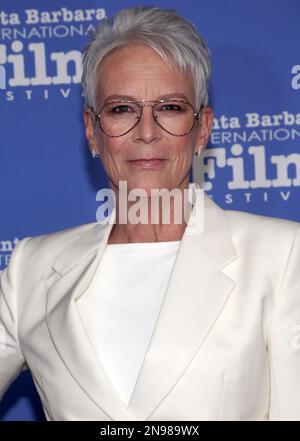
x,y
141,105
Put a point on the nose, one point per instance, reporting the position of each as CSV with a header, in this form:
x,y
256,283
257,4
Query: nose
x,y
147,129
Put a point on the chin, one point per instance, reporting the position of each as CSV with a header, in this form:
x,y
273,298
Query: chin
x,y
148,187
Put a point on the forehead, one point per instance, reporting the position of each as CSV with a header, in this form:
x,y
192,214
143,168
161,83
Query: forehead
x,y
138,71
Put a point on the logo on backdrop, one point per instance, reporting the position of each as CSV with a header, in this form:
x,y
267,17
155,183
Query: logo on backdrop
x,y
2,77
40,54
6,248
245,160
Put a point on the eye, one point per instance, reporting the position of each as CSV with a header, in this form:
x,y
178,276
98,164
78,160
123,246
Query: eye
x,y
118,109
171,107
123,108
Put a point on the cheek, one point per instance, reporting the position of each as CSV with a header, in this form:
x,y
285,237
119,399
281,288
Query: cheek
x,y
183,148
110,148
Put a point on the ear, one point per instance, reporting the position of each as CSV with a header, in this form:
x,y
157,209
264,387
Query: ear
x,y
205,127
89,130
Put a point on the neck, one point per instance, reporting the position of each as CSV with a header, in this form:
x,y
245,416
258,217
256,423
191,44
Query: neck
x,y
151,219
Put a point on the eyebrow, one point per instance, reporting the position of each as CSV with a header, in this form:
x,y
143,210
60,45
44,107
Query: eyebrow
x,y
132,98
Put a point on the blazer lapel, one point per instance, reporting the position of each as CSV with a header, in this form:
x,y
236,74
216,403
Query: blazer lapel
x,y
74,270
195,296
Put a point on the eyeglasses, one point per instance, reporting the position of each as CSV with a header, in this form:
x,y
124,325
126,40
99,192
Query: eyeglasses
x,y
175,116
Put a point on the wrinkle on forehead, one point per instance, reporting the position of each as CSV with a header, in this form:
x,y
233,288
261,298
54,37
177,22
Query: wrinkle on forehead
x,y
137,70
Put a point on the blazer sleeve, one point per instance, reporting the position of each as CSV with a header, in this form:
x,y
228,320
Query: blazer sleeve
x,y
284,341
11,358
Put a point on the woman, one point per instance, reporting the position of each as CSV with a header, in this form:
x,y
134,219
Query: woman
x,y
155,320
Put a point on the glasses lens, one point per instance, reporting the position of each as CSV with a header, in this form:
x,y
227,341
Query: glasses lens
x,y
176,117
118,118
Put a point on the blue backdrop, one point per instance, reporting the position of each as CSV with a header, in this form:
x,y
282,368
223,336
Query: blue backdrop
x,y
48,180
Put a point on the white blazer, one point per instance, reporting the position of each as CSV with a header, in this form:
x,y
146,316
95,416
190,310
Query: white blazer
x,y
226,345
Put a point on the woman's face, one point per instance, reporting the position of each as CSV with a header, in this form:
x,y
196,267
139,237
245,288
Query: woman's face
x,y
138,72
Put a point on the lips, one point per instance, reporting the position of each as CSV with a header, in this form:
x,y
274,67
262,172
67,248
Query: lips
x,y
147,159
147,162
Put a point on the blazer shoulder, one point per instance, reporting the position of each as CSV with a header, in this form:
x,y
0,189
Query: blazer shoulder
x,y
259,232
46,247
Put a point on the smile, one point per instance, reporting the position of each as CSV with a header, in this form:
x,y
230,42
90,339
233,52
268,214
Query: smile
x,y
148,163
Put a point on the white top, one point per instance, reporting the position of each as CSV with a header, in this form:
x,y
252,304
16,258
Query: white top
x,y
120,308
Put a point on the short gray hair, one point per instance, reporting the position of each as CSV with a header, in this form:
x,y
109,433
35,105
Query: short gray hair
x,y
173,37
